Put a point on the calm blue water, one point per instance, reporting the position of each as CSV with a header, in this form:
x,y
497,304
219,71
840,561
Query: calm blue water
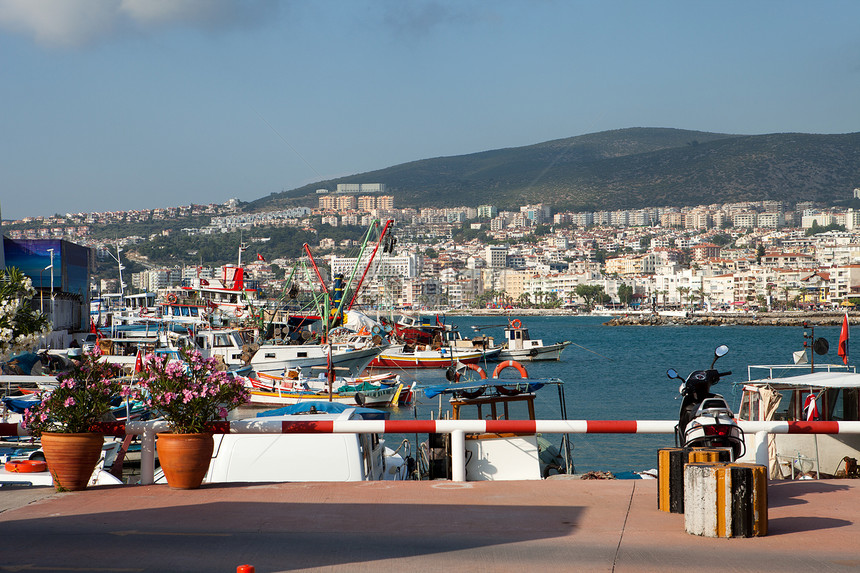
x,y
619,373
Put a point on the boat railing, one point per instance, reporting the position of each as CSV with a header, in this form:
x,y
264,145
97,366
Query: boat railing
x,y
794,369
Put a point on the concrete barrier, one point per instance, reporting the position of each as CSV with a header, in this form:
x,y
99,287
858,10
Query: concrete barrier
x,y
725,500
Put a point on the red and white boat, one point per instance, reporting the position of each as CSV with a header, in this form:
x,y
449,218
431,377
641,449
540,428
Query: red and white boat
x,y
407,356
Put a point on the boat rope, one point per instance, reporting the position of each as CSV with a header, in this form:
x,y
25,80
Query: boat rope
x,y
593,352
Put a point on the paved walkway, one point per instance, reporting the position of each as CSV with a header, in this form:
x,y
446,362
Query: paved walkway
x,y
553,525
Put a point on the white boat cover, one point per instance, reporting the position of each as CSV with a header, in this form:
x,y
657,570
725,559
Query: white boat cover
x,y
814,380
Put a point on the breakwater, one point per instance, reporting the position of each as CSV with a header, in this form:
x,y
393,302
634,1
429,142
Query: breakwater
x,y
735,319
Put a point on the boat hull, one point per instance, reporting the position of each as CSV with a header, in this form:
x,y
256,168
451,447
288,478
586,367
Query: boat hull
x,y
275,360
550,352
424,359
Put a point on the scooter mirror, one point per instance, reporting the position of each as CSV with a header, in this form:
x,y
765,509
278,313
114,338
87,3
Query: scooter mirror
x,y
721,351
672,373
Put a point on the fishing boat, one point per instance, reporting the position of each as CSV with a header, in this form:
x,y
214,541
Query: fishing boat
x,y
306,457
521,347
492,456
794,393
423,356
280,358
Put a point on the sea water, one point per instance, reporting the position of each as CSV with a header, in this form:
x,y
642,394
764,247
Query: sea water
x,y
619,373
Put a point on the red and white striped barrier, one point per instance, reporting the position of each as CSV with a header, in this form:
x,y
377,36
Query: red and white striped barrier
x,y
457,428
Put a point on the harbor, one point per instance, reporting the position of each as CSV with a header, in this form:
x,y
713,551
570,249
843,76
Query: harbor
x,y
555,524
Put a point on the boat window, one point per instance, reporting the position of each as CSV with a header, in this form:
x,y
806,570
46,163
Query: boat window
x,y
194,311
186,311
841,404
787,406
270,354
222,340
301,354
749,406
851,404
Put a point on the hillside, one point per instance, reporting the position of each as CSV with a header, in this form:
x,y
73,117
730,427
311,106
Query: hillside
x,y
627,168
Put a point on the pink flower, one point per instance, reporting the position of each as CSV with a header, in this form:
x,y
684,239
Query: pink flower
x,y
69,402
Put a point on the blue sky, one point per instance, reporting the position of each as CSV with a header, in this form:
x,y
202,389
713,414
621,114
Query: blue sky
x,y
125,104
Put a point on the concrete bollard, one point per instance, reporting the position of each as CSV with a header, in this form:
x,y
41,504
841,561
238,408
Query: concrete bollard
x,y
670,473
725,500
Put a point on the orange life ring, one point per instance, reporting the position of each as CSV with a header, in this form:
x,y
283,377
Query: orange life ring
x,y
516,323
144,311
238,312
513,364
171,298
26,466
474,367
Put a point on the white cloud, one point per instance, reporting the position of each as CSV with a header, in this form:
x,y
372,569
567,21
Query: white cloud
x,y
71,23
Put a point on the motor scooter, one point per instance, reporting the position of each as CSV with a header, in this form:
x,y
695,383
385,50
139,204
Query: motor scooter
x,y
705,419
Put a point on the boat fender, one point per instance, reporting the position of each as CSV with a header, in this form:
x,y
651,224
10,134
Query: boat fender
x,y
513,364
533,352
359,398
171,298
26,466
516,323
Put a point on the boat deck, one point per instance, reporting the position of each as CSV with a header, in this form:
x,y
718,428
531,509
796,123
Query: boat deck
x,y
552,525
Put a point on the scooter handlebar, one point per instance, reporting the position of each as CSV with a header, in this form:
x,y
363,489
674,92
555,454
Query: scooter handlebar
x,y
721,374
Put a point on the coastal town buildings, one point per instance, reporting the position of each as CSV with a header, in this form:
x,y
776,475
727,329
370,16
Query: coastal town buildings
x,y
748,255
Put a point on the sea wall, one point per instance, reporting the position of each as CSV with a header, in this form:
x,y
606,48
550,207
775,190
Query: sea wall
x,y
750,319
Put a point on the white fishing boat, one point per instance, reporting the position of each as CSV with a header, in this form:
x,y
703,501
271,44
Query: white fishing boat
x,y
521,347
793,393
495,456
279,358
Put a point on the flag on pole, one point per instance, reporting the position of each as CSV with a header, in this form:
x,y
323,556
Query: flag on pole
x,y
843,341
138,362
260,257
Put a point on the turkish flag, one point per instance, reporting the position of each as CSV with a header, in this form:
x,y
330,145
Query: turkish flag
x,y
260,257
138,363
843,341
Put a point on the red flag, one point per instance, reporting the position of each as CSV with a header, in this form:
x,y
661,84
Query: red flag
x,y
138,363
843,341
204,282
260,257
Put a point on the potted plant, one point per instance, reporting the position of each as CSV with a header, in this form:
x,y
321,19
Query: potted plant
x,y
190,393
64,416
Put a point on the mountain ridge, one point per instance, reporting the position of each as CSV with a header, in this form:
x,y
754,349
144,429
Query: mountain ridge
x,y
620,169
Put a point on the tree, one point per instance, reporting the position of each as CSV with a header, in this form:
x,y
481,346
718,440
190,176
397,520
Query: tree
x,y
590,293
683,291
759,253
20,325
625,294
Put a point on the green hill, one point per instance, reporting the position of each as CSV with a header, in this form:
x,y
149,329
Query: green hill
x,y
627,168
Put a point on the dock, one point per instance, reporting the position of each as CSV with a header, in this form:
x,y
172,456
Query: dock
x,y
549,525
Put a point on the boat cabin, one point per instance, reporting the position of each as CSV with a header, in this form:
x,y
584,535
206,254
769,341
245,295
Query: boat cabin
x,y
819,396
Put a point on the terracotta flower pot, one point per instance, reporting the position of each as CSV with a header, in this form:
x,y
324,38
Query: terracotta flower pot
x,y
184,458
72,458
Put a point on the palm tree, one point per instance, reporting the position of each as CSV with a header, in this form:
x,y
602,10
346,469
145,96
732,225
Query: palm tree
x,y
682,290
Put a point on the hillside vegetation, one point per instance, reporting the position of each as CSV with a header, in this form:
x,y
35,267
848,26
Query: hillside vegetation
x,y
621,169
